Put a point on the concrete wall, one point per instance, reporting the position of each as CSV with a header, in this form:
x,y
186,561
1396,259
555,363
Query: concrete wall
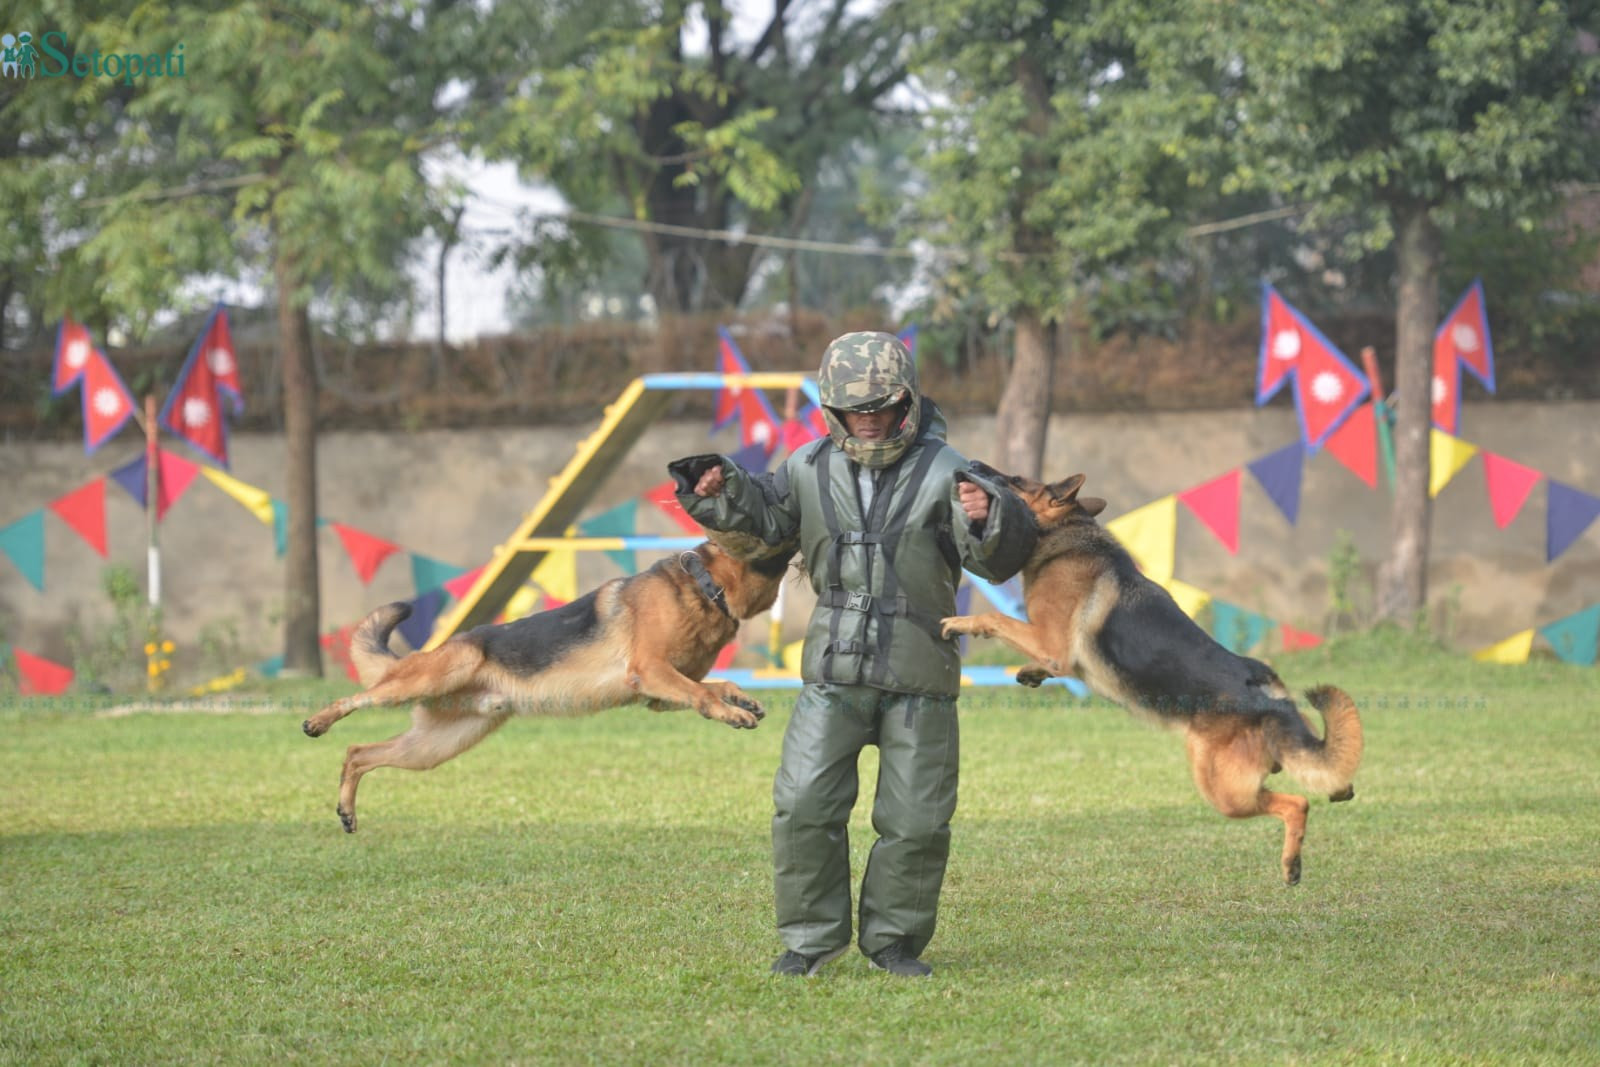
x,y
455,495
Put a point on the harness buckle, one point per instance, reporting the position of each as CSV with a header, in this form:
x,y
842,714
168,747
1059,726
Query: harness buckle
x,y
858,602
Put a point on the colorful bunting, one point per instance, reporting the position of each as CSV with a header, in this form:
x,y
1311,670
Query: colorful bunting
x,y
1461,339
1568,512
1327,386
107,403
194,408
461,586
1236,629
22,542
1189,598
1513,649
1216,504
557,574
1509,485
176,475
1446,456
418,626
524,602
620,521
38,676
1149,533
1294,640
1575,637
84,509
73,349
257,502
366,551
1355,444
427,573
665,497
1279,475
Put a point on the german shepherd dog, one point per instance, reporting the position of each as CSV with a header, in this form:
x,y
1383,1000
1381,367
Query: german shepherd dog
x,y
650,637
1094,615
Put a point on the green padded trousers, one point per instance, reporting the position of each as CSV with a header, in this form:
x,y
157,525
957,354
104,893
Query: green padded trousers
x,y
815,790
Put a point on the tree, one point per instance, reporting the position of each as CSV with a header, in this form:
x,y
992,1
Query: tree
x,y
1067,140
1406,115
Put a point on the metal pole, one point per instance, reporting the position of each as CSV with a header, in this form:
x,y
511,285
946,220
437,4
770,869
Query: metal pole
x,y
152,498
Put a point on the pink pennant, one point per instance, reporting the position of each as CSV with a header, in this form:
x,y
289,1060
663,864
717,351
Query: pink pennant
x,y
177,474
1216,503
84,509
1355,444
1297,639
1509,484
462,584
38,676
665,497
366,551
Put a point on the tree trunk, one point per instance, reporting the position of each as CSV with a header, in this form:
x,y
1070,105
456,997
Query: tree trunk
x,y
302,606
1402,592
1023,418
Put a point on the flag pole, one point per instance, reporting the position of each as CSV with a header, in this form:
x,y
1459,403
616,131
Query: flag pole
x,y
152,498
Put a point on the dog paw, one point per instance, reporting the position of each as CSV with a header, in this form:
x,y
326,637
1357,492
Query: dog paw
x,y
1032,677
1347,793
313,728
956,625
1291,872
347,819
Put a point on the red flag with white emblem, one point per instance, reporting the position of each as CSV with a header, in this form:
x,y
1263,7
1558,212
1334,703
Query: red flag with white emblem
x,y
1461,340
73,349
1327,386
107,403
194,408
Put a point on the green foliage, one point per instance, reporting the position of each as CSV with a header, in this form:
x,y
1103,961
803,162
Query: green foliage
x,y
110,657
1349,593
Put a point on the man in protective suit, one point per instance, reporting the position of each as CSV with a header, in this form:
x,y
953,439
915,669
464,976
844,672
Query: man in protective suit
x,y
887,516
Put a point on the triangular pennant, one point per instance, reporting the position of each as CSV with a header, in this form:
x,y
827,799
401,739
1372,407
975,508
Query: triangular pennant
x,y
23,543
724,658
418,626
557,574
131,476
1513,649
270,668
1279,475
1150,535
1236,629
194,408
38,676
1509,484
524,602
620,521
1446,456
366,552
460,587
729,361
1189,598
280,526
1327,386
1462,339
1297,639
107,403
1568,512
1355,444
1281,344
758,422
1216,503
665,497
84,509
73,349
338,645
177,474
1575,637
793,652
908,337
428,573
257,502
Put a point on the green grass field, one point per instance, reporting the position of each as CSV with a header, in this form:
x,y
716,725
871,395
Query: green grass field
x,y
175,888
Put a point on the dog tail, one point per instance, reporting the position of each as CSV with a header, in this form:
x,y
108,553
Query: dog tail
x,y
1328,764
369,645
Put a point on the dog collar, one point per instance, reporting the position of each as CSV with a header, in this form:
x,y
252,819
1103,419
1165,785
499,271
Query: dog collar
x,y
695,567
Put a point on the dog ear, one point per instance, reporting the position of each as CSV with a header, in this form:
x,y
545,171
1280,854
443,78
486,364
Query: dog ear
x,y
1092,504
1065,490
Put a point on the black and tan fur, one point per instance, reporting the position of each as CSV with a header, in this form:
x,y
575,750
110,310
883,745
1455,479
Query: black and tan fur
x,y
647,638
1092,614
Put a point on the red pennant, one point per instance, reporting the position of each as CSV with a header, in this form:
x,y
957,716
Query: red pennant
x,y
1282,341
758,423
216,346
665,497
1509,484
462,584
194,408
73,349
366,551
38,676
1216,503
84,509
725,657
177,474
729,361
107,403
1464,335
338,646
1355,444
1446,389
1327,387
1296,639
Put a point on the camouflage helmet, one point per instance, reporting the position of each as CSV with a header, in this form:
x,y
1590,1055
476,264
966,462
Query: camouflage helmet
x,y
868,372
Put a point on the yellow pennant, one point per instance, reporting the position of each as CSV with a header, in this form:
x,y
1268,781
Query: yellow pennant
x,y
1189,598
523,601
1511,650
791,655
1150,536
557,574
1446,456
256,501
